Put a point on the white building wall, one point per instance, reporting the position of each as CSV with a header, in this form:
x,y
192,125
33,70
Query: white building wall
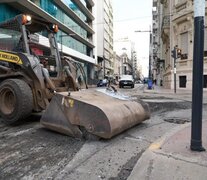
x,y
104,33
180,34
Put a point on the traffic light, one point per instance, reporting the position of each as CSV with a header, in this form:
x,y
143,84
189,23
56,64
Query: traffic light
x,y
179,53
173,55
176,52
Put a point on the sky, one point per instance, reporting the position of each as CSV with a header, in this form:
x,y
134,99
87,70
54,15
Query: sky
x,y
131,16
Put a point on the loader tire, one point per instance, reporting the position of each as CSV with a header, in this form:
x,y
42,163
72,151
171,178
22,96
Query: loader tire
x,y
16,101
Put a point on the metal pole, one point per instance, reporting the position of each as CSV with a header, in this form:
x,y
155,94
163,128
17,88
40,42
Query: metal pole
x,y
104,66
61,44
175,68
171,46
25,39
197,94
150,57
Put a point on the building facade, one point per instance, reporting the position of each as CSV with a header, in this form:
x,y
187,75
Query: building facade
x,y
104,37
156,58
126,66
117,64
177,30
74,19
125,48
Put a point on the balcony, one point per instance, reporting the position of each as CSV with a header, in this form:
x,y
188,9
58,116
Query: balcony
x,y
154,3
163,1
180,5
165,28
154,15
166,22
155,51
184,56
155,26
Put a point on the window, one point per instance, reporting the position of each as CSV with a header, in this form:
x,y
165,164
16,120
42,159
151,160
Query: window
x,y
205,81
205,43
49,6
182,81
184,45
7,12
9,39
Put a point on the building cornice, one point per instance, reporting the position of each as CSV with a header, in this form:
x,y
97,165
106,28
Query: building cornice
x,y
180,17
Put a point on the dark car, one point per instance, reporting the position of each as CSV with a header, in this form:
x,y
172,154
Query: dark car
x,y
126,80
138,82
145,80
102,82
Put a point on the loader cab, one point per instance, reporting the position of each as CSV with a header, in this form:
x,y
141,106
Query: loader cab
x,y
42,43
47,56
9,39
32,36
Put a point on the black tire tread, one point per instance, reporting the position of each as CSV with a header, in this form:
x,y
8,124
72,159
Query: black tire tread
x,y
25,105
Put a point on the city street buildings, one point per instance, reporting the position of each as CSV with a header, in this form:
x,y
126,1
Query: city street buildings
x,y
125,48
175,28
104,37
117,63
126,65
156,61
74,19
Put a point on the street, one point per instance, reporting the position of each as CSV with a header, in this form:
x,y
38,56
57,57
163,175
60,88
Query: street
x,y
29,151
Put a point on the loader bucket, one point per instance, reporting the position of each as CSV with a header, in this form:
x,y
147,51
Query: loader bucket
x,y
100,114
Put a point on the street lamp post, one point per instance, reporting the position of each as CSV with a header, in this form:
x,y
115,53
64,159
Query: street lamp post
x,y
104,67
197,94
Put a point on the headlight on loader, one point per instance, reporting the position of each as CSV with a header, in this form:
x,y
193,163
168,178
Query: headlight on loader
x,y
26,19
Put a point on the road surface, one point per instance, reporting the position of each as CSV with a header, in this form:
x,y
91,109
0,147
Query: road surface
x,y
28,151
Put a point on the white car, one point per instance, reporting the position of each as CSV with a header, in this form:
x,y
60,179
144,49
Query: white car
x,y
126,80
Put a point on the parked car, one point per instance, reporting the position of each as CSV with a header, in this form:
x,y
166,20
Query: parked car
x,y
138,82
102,82
126,80
145,80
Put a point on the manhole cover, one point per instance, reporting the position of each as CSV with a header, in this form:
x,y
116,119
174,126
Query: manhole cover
x,y
177,120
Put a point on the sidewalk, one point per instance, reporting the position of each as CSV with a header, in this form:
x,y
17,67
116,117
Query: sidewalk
x,y
158,89
180,93
170,158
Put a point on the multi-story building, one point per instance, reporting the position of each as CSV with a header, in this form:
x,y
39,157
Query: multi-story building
x,y
126,65
104,36
134,64
157,63
117,65
177,30
125,48
74,19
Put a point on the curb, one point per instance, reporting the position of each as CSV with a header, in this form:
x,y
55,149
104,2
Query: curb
x,y
157,162
159,142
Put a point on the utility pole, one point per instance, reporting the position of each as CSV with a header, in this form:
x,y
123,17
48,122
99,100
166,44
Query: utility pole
x,y
104,67
174,56
197,94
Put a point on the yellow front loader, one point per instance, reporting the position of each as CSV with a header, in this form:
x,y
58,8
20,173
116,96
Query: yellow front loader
x,y
32,82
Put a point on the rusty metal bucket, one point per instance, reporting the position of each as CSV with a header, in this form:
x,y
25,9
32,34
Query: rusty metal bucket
x,y
103,115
